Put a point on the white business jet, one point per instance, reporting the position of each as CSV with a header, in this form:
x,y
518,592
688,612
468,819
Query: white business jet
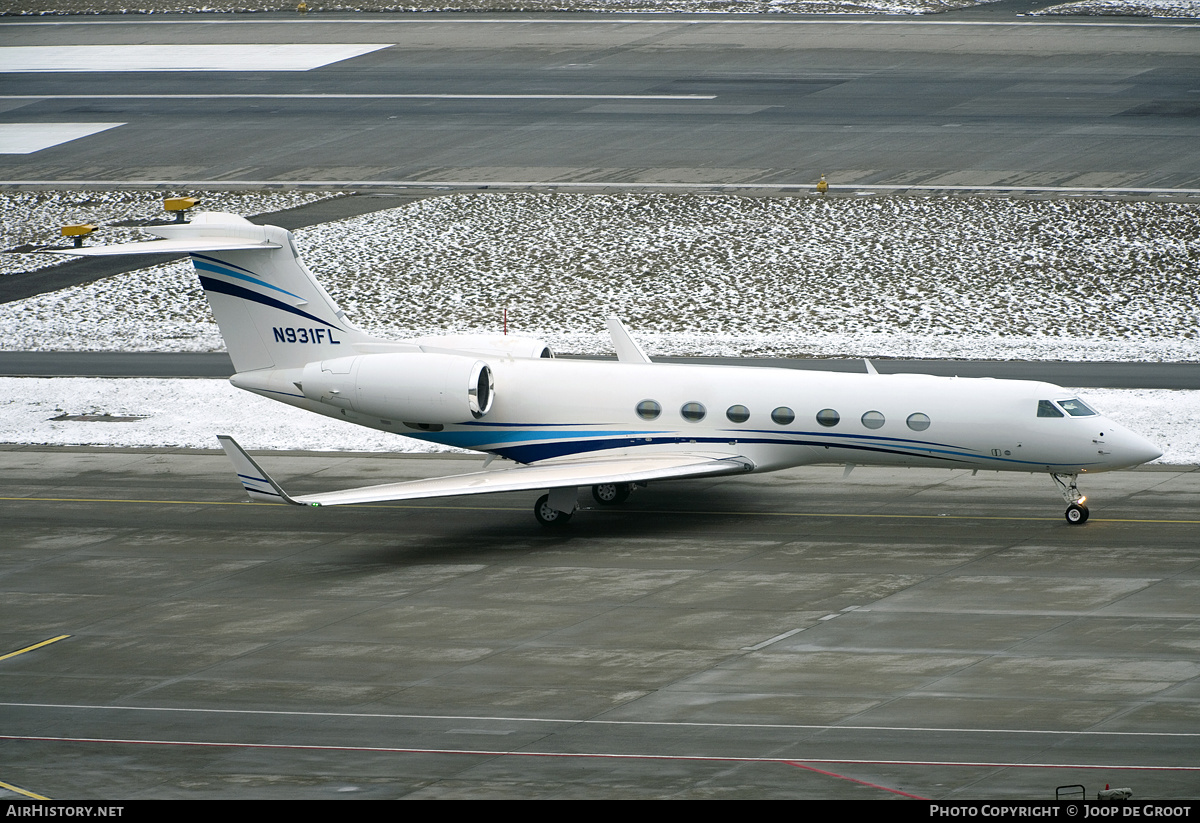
x,y
604,424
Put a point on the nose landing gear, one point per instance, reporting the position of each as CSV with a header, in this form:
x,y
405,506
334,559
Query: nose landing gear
x,y
1077,512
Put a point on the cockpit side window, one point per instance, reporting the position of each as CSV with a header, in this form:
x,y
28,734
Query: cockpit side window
x,y
1075,407
1048,409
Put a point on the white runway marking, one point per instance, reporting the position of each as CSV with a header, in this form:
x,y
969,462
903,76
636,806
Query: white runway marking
x,y
239,57
26,138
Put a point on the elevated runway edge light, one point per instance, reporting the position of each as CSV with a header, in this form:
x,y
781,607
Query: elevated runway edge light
x,y
180,206
822,186
78,231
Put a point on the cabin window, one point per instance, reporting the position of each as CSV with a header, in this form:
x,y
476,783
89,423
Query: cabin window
x,y
693,412
1048,409
783,415
828,418
649,410
737,414
873,420
918,422
1075,407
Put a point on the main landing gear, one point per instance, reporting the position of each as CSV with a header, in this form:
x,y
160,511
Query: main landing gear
x,y
555,509
610,494
1077,512
549,516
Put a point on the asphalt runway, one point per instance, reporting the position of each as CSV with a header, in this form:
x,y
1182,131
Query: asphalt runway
x,y
973,100
897,633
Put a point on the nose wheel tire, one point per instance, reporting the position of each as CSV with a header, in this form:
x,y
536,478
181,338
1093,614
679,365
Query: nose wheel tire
x,y
1077,514
548,516
610,494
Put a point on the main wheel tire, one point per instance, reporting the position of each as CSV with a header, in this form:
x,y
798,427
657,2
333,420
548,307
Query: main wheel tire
x,y
548,516
1077,514
610,494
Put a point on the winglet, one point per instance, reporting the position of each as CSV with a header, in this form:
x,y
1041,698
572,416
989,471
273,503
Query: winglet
x,y
258,483
627,350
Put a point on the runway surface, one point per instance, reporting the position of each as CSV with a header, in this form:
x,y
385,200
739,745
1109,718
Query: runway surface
x,y
897,633
609,101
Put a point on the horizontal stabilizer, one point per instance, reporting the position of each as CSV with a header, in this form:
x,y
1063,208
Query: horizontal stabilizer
x,y
545,475
174,246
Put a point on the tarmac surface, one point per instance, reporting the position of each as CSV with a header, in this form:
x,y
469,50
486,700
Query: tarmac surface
x,y
896,633
966,100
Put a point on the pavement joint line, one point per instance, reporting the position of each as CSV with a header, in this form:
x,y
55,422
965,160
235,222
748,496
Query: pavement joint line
x,y
20,791
596,755
602,722
34,646
802,765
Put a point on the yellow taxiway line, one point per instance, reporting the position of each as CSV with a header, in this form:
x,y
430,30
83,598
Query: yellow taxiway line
x,y
34,646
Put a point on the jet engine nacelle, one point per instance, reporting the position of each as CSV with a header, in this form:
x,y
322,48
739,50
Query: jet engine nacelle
x,y
403,387
496,345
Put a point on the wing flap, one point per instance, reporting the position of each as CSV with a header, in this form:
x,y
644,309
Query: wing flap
x,y
549,474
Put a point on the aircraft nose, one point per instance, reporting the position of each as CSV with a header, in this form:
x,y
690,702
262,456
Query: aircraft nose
x,y
1130,449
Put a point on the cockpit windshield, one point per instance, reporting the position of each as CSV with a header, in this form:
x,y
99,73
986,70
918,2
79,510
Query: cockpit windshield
x,y
1048,409
1075,407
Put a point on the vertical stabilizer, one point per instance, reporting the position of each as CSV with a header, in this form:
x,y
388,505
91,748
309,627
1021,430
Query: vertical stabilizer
x,y
271,310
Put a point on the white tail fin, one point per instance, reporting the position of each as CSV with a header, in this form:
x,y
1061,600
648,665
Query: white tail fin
x,y
271,311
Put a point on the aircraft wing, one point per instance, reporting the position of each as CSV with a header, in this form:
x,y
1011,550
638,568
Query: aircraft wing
x,y
548,474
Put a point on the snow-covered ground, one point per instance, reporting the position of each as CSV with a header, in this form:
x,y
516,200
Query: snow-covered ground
x,y
866,276
1127,8
968,277
1136,8
189,413
42,7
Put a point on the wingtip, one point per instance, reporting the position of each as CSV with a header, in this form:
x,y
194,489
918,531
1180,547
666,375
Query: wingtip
x,y
258,484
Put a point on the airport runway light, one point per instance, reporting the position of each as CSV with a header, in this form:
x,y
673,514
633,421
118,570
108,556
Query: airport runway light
x,y
180,206
822,186
78,231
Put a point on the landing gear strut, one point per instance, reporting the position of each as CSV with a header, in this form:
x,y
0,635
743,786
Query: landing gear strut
x,y
1077,512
